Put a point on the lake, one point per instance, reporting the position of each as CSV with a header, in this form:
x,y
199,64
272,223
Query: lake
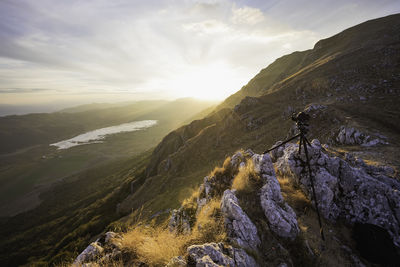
x,y
98,136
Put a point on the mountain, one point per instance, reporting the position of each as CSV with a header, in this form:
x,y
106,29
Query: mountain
x,y
352,78
348,84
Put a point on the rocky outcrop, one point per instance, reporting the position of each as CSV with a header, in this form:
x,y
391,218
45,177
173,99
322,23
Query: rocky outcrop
x,y
240,228
91,253
179,221
352,136
103,250
218,254
176,262
353,193
281,217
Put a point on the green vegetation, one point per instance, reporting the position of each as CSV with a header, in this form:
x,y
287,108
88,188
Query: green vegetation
x,y
26,173
71,213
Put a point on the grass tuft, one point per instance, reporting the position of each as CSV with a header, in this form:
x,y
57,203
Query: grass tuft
x,y
247,180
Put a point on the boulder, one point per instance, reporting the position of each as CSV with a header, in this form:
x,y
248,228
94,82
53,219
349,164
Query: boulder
x,y
352,136
179,221
91,253
218,254
345,191
281,217
240,228
237,158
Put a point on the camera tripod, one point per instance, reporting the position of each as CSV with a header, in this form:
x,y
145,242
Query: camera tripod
x,y
301,120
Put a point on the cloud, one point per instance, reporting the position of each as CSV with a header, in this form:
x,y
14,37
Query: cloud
x,y
152,47
247,15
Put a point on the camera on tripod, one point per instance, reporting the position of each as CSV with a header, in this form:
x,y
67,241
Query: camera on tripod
x,y
301,120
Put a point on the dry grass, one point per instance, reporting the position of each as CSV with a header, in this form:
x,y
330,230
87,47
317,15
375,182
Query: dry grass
x,y
209,225
156,245
293,195
246,179
222,170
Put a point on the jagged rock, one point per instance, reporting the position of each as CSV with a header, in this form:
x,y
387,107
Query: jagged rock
x,y
278,152
105,249
249,152
314,107
345,191
213,254
281,217
176,262
240,228
352,136
179,221
201,202
375,142
91,253
237,158
263,165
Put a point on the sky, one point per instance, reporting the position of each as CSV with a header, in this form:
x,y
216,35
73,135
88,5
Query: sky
x,y
70,51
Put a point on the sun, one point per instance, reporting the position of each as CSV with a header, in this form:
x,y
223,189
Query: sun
x,y
211,82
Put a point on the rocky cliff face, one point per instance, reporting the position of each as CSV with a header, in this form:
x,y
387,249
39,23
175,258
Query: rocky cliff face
x,y
347,189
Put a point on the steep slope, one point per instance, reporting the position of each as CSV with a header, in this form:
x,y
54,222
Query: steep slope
x,y
349,80
364,46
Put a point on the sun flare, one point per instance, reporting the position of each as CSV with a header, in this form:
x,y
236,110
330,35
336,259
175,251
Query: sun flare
x,y
211,82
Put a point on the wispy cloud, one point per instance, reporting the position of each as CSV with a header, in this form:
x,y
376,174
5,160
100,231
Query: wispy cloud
x,y
160,48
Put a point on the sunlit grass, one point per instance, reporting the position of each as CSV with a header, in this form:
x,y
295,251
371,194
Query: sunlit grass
x,y
246,179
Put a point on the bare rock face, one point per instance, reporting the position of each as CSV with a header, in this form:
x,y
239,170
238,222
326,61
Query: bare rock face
x,y
91,253
281,217
104,249
218,254
179,222
176,262
353,193
240,228
352,136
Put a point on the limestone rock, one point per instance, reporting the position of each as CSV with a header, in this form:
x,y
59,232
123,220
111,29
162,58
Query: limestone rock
x,y
218,254
91,253
352,136
278,152
237,158
176,262
280,216
240,228
179,221
353,193
263,165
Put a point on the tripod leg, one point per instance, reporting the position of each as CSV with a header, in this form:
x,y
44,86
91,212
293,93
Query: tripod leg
x,y
290,139
306,140
312,187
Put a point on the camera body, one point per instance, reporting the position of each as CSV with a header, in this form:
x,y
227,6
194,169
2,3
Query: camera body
x,y
301,120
